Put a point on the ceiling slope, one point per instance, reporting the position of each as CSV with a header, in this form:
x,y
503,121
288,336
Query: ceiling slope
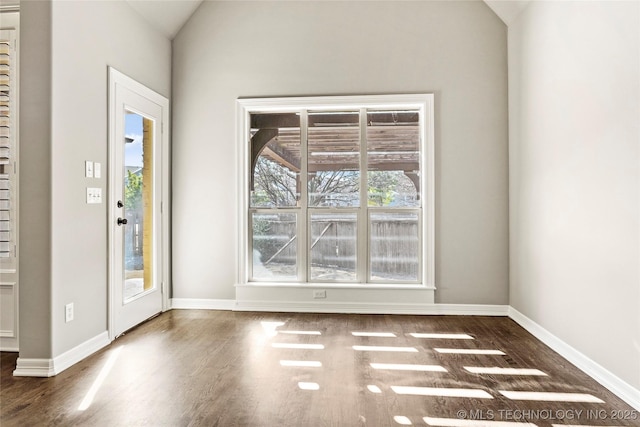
x,y
167,16
507,10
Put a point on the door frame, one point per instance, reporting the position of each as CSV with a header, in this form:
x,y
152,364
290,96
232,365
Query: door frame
x,y
115,79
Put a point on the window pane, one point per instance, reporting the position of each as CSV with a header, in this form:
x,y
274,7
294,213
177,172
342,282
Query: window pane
x,y
274,246
333,247
394,246
334,159
393,157
139,141
275,159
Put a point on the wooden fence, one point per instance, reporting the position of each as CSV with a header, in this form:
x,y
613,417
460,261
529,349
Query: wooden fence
x,y
394,243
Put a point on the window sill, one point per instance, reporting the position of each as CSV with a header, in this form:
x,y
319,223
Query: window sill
x,y
325,285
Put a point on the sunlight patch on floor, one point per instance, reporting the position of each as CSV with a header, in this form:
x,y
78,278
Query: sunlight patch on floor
x,y
408,367
270,327
300,332
301,363
374,389
441,391
543,396
384,348
469,351
443,336
298,346
308,386
104,372
402,420
374,334
504,371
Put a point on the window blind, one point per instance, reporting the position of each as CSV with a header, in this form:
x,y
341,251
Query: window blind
x,y
7,144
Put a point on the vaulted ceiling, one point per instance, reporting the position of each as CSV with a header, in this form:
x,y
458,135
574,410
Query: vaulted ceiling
x,y
168,16
507,10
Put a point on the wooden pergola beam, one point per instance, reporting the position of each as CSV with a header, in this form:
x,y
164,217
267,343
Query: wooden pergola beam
x,y
275,153
413,176
292,120
407,167
258,142
275,121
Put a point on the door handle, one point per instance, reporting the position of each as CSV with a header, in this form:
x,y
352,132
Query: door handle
x,y
122,221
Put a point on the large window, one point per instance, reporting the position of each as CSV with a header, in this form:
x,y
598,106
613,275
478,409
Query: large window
x,y
338,190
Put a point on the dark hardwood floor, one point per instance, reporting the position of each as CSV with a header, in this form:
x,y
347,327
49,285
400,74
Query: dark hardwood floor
x,y
220,368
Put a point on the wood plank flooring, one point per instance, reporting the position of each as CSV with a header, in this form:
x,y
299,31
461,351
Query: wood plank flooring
x,y
220,368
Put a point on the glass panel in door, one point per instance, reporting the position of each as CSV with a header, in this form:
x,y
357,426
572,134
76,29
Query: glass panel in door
x,y
138,206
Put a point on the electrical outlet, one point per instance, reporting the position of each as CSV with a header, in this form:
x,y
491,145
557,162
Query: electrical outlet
x,y
319,294
68,313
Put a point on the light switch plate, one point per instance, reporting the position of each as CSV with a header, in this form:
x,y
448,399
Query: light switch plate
x,y
94,195
68,313
97,170
88,169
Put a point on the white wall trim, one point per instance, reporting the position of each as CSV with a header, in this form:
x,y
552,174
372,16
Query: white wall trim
x,y
470,309
202,304
340,307
34,368
424,102
372,308
13,331
9,8
51,367
602,375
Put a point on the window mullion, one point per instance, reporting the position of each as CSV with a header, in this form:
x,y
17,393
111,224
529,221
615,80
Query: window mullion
x,y
304,228
363,229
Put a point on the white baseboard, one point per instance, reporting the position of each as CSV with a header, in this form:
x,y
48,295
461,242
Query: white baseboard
x,y
34,368
51,367
340,307
470,309
203,304
372,308
605,377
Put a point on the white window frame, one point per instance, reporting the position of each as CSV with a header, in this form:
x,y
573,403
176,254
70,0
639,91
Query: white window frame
x,y
422,102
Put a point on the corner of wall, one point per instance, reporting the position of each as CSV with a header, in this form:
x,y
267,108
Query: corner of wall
x,y
35,178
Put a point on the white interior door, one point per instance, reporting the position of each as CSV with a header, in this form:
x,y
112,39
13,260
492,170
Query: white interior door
x,y
138,238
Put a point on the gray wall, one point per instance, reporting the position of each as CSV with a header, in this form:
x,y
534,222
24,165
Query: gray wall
x,y
35,178
574,176
67,237
457,50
